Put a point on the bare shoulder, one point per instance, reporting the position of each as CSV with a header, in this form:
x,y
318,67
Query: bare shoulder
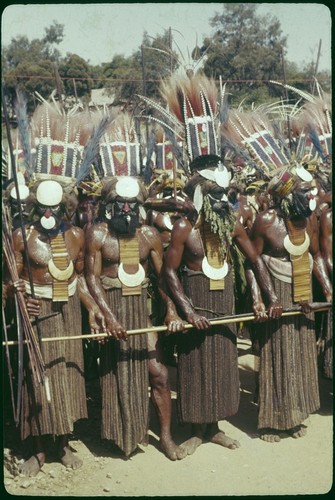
x,y
149,231
95,235
75,231
266,217
96,230
183,225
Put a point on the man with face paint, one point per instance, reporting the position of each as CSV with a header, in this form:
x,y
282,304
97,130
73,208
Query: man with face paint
x,y
287,237
120,252
56,260
204,252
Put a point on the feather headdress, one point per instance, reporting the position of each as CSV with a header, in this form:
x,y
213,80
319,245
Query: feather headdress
x,y
120,148
253,132
312,123
194,102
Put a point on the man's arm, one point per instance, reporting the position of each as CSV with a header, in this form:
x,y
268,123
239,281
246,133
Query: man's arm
x,y
172,261
319,267
95,238
95,317
259,272
172,319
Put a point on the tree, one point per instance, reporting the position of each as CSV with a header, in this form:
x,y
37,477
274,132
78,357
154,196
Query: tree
x,y
30,77
28,65
122,76
157,60
74,68
245,50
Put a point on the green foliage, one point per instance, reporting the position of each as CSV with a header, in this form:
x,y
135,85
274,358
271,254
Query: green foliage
x,y
246,50
41,80
122,76
75,68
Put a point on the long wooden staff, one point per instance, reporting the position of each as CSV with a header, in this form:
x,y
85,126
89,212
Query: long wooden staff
x,y
236,318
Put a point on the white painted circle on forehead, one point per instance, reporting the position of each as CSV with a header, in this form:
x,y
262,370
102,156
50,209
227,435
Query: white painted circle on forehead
x,y
49,193
23,192
127,187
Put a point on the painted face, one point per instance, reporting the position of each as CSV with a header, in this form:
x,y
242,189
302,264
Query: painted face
x,y
123,215
87,211
304,199
50,216
219,200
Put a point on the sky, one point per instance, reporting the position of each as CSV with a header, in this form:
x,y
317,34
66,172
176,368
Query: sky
x,y
98,31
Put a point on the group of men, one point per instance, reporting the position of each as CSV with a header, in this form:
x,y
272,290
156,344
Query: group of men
x,y
118,267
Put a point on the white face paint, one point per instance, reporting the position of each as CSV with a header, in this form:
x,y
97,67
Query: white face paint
x,y
127,187
48,222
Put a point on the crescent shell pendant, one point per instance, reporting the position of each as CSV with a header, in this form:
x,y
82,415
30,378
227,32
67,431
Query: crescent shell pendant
x,y
131,280
296,249
60,274
214,273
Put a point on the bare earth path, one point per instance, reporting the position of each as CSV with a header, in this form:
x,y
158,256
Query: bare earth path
x,y
292,466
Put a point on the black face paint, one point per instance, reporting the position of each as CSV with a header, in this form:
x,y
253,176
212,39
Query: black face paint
x,y
300,204
221,207
50,216
124,216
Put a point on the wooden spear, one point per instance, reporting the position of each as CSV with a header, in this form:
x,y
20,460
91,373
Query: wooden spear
x,y
236,318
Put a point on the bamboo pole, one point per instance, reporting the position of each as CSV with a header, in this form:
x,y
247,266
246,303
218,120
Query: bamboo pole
x,y
219,321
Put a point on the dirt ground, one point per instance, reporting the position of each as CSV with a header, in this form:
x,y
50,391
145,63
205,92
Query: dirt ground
x,y
292,466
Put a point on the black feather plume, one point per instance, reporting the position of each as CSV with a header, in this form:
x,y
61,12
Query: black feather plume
x,y
150,149
176,148
91,151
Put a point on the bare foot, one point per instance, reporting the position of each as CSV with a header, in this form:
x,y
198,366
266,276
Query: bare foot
x,y
171,450
298,431
192,444
223,440
32,466
269,435
69,460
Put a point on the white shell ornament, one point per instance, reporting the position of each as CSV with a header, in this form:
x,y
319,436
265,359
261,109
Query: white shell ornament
x,y
48,222
296,250
59,274
312,204
167,222
222,177
214,273
304,174
131,280
198,198
208,174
